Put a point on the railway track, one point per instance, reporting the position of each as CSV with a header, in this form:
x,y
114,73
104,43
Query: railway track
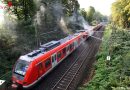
x,y
65,82
70,74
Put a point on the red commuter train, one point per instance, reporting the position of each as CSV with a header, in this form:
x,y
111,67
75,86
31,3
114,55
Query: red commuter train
x,y
30,68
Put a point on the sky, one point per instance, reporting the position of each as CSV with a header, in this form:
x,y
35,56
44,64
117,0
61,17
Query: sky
x,y
1,12
103,6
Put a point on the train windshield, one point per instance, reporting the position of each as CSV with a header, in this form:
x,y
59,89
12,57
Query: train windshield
x,y
21,67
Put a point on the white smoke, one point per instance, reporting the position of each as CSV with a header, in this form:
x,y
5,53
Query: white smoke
x,y
78,19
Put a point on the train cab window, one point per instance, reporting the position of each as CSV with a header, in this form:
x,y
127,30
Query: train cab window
x,y
59,55
40,66
47,63
21,67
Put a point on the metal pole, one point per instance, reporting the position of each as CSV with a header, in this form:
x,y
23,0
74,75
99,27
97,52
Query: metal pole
x,y
36,34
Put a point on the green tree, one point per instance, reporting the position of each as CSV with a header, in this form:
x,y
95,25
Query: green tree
x,y
97,16
70,6
23,9
121,13
84,13
90,14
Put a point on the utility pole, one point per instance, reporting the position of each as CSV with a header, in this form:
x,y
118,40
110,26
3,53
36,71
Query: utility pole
x,y
36,33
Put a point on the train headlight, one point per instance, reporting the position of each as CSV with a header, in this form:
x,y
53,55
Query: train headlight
x,y
13,81
14,86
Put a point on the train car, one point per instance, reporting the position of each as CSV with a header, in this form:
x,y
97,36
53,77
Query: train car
x,y
30,68
91,31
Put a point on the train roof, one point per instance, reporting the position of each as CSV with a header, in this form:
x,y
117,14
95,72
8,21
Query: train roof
x,y
44,48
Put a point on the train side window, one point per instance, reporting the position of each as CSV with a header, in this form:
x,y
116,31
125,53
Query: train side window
x,y
64,51
79,40
68,47
53,59
47,63
82,37
59,55
73,45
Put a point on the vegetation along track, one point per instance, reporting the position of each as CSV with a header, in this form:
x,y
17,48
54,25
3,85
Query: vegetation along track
x,y
65,83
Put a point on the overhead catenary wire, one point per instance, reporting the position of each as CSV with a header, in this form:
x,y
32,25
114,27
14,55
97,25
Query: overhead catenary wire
x,y
97,38
99,31
5,74
48,32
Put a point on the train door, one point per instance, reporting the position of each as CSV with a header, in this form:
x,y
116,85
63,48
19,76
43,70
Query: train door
x,y
54,60
64,51
68,49
75,44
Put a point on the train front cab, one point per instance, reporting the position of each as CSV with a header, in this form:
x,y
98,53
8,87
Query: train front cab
x,y
19,73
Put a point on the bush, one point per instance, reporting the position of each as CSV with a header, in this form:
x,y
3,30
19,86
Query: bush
x,y
115,73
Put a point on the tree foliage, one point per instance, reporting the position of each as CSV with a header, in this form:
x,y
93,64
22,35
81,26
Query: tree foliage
x,y
90,13
92,16
84,14
23,9
113,74
121,13
70,6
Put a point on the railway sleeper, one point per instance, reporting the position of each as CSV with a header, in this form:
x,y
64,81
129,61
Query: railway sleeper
x,y
63,85
59,88
70,75
71,87
76,64
64,80
72,72
74,69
